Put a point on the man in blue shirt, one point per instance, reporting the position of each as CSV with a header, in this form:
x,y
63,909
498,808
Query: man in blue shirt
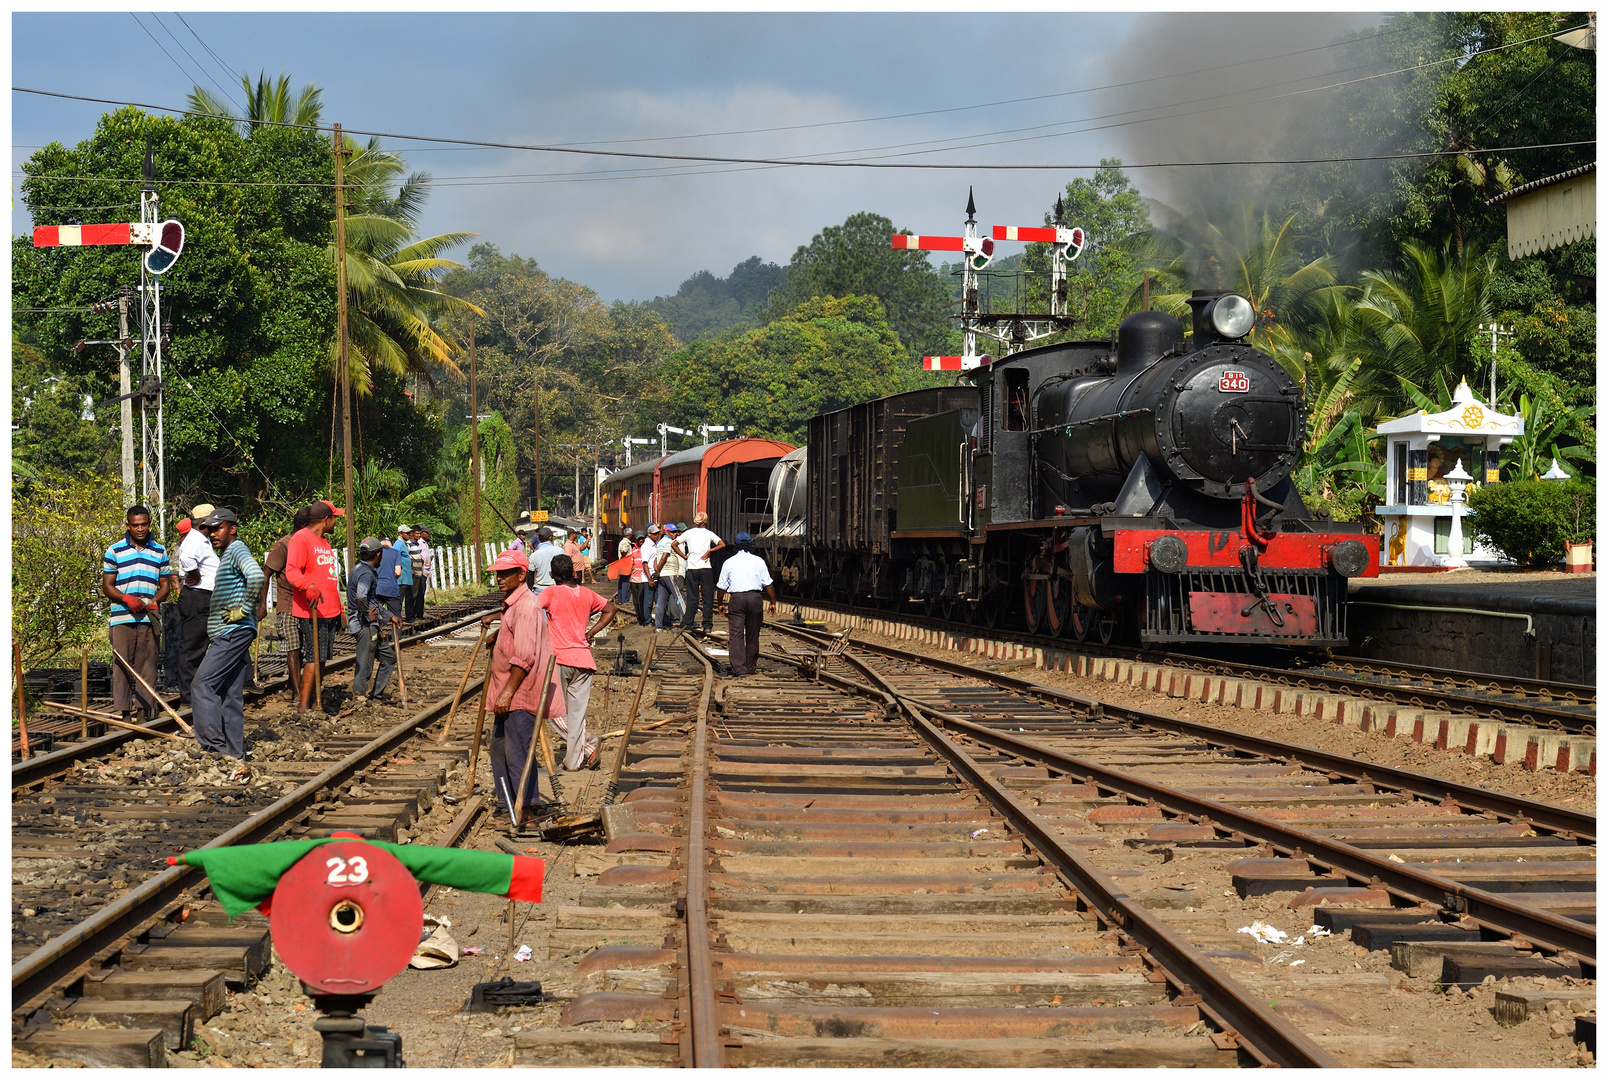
x,y
389,574
135,577
218,700
404,563
366,619
541,560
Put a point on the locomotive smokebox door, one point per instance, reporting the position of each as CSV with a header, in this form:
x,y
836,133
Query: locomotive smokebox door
x,y
346,918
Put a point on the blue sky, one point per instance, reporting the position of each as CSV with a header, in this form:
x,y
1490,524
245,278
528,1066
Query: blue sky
x,y
648,81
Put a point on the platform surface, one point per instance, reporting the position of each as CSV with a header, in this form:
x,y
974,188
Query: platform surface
x,y
1533,592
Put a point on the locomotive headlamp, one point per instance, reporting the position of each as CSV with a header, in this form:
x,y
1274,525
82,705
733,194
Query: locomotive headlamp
x,y
1349,558
1232,315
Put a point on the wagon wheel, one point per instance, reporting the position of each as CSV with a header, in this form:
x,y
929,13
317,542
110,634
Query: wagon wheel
x,y
927,588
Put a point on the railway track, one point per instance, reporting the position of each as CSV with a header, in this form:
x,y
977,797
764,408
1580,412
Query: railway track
x,y
119,957
904,863
1567,707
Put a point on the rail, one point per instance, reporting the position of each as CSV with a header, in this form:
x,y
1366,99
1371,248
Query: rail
x,y
708,1050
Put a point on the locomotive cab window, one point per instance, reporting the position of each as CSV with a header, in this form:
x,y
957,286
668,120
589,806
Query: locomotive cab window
x,y
1015,399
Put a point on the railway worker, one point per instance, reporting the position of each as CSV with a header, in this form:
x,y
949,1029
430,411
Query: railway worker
x,y
697,544
625,550
519,650
541,560
743,577
667,571
404,565
219,714
413,607
645,545
310,567
284,627
389,584
136,577
571,626
428,556
198,564
572,548
366,619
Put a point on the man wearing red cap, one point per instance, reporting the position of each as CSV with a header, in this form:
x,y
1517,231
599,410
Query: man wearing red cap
x,y
310,568
519,654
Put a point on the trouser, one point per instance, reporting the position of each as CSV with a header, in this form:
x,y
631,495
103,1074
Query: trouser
x,y
136,643
511,735
218,709
667,597
390,605
415,598
639,601
701,591
622,595
571,727
194,605
170,646
371,640
744,612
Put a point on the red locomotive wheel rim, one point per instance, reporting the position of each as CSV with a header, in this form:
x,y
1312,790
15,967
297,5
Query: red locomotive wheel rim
x,y
346,917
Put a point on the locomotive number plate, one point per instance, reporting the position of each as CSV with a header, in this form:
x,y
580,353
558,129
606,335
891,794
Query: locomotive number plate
x,y
1234,382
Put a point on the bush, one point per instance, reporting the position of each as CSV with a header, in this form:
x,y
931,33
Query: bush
x,y
1530,521
60,527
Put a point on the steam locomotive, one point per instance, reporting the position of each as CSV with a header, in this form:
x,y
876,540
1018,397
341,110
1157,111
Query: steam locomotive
x,y
1090,492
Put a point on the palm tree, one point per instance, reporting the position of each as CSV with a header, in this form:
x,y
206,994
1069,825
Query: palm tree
x,y
270,101
1424,318
1253,256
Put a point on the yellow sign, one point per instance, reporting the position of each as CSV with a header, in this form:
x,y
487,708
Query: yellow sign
x,y
538,515
1418,474
1491,476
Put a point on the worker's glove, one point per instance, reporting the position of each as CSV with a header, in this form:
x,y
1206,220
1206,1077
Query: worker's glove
x,y
234,615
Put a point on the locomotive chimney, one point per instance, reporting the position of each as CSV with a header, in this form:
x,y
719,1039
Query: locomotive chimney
x,y
1144,338
1202,330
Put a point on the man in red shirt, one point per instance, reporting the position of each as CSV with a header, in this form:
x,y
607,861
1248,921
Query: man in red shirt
x,y
310,569
568,608
519,652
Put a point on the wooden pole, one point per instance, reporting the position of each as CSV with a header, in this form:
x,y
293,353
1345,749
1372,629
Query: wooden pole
x,y
396,640
480,726
318,664
474,450
158,698
346,367
108,718
22,698
83,688
463,682
612,789
536,450
535,742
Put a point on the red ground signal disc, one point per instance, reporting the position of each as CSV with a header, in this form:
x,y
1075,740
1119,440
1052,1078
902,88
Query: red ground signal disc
x,y
346,917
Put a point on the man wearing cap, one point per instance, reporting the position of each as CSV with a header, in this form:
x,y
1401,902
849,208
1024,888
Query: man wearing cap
x,y
135,577
220,684
404,565
198,565
643,588
742,579
366,618
541,560
667,572
520,649
310,567
389,575
422,572
698,544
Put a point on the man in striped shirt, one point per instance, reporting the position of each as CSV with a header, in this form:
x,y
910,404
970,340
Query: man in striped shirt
x,y
135,577
218,693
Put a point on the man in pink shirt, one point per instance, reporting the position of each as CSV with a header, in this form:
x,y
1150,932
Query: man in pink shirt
x,y
569,608
519,651
310,568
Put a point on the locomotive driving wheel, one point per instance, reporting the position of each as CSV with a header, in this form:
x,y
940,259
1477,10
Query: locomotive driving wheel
x,y
1081,622
1036,594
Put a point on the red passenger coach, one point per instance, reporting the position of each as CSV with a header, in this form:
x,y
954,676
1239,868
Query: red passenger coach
x,y
628,502
727,480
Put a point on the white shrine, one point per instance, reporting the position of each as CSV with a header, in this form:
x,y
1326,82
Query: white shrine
x,y
1424,487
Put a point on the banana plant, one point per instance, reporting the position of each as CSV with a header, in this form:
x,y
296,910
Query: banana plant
x,y
1529,454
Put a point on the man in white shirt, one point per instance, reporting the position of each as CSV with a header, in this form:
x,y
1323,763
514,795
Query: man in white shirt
x,y
742,579
541,560
667,572
697,545
198,568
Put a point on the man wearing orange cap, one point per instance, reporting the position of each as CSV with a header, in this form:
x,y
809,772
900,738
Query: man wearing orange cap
x,y
520,649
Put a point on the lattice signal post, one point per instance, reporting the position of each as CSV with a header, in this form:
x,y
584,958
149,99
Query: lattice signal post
x,y
164,241
978,252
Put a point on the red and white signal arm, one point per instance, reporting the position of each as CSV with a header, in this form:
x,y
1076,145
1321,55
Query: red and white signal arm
x,y
1234,382
1073,238
165,239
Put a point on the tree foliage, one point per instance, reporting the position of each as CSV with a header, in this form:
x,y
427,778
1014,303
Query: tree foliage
x,y
61,525
1531,521
705,305
1116,229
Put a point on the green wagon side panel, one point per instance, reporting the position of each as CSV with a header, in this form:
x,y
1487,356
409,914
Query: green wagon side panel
x,y
930,495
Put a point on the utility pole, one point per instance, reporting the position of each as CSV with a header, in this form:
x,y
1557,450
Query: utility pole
x,y
346,369
536,451
126,405
1504,331
474,447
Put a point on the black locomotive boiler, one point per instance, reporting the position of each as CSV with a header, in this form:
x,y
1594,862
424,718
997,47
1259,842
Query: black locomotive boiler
x,y
1086,490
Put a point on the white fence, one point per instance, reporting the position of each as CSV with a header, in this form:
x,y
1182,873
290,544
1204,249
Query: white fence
x,y
451,567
